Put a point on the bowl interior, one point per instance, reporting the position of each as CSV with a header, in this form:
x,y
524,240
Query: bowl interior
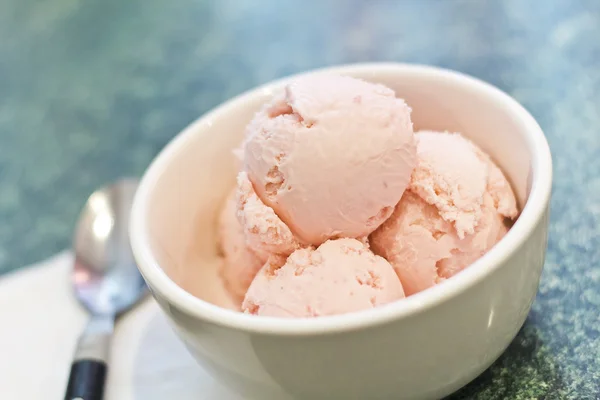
x,y
197,170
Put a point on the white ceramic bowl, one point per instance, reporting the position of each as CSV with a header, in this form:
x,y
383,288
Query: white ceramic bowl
x,y
423,347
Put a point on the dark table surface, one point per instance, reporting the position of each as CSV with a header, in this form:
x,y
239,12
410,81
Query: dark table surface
x,y
92,90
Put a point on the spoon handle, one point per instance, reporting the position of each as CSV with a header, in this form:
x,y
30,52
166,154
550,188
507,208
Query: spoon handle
x,y
86,381
89,368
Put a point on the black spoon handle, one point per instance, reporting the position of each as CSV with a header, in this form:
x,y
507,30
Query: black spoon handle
x,y
89,368
86,381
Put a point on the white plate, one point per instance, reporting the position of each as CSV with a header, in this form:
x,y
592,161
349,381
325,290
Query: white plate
x,y
39,325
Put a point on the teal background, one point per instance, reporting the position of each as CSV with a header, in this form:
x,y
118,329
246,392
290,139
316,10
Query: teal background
x,y
92,90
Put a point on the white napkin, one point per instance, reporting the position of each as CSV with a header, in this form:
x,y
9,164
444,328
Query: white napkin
x,y
39,325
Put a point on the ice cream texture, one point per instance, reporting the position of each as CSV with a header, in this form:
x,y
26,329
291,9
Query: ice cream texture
x,y
453,212
249,233
264,231
240,263
338,277
331,156
339,206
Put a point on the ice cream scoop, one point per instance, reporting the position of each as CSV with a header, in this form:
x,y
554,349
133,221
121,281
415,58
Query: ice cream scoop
x,y
249,233
265,233
340,276
453,212
331,156
240,263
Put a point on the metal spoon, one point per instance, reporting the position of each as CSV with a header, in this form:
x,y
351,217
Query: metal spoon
x,y
106,282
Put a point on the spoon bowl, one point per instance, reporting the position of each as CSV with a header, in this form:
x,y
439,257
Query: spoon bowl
x,y
105,277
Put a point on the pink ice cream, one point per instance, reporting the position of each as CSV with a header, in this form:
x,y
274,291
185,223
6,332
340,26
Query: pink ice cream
x,y
240,263
265,233
249,233
327,163
340,276
453,212
331,156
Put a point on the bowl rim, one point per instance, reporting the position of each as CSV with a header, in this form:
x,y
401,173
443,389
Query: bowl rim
x,y
531,214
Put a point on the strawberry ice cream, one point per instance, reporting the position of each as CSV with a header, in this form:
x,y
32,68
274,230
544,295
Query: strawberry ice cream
x,y
340,276
453,212
240,263
265,233
340,207
331,156
250,232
